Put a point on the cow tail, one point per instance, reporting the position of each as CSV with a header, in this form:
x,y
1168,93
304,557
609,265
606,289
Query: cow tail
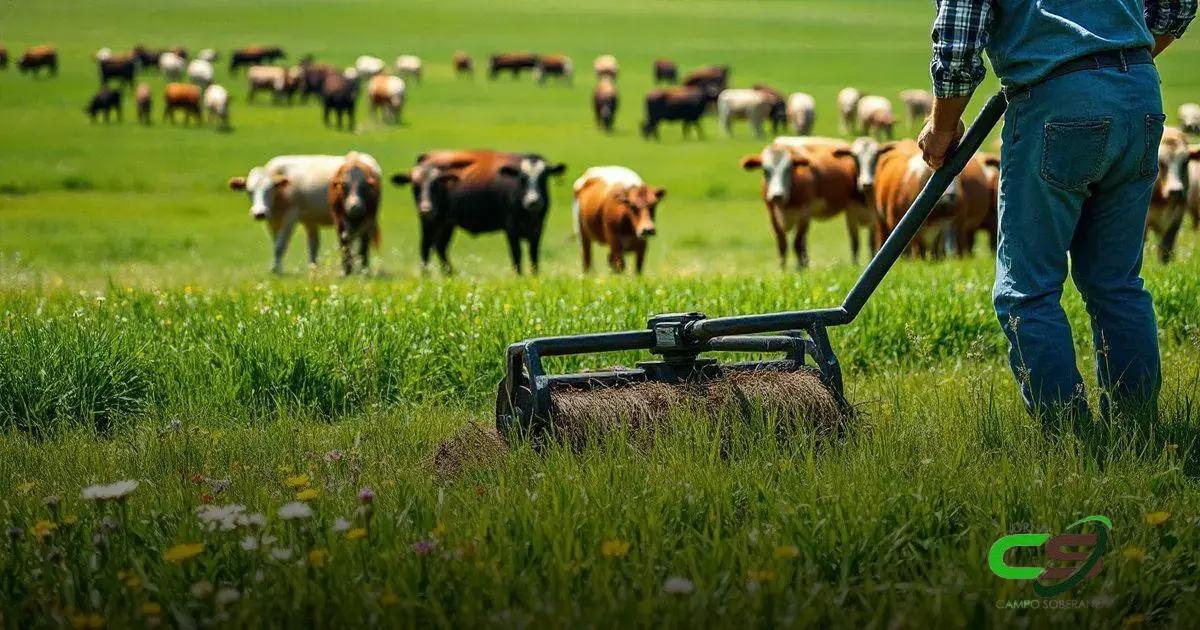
x,y
377,238
575,219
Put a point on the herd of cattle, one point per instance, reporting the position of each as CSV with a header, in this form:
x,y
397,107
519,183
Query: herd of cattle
x,y
870,182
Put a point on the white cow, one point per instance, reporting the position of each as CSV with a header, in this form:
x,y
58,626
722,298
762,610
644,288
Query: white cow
x,y
847,101
1189,118
273,79
876,117
612,176
216,105
172,65
409,67
291,189
606,66
200,72
918,104
387,93
368,66
208,54
802,113
751,105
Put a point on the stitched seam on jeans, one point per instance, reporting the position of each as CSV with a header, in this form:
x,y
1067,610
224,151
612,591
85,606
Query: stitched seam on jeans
x,y
1104,125
1150,157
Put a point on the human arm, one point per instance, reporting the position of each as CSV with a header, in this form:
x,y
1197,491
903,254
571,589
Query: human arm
x,y
960,34
1168,19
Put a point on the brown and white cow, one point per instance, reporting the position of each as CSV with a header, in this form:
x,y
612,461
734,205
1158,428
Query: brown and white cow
x,y
172,66
554,66
1168,203
143,99
604,103
354,197
184,96
1189,118
665,71
990,162
38,57
876,117
409,67
917,104
809,179
606,66
900,174
614,207
847,102
513,63
387,93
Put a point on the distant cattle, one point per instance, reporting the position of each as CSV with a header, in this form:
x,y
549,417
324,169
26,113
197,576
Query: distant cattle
x,y
354,197
172,66
38,57
386,93
1168,202
1189,118
606,66
200,72
143,99
291,189
312,78
743,104
208,54
409,67
917,104
711,79
339,96
106,101
1194,186
279,81
665,71
683,104
990,163
146,58
847,102
368,66
806,179
254,56
463,64
216,105
119,68
513,63
103,54
614,207
554,66
3,58
802,113
876,117
604,103
182,96
778,115
481,191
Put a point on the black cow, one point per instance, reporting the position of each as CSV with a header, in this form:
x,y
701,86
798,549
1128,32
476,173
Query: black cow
x,y
120,68
312,78
105,101
685,104
3,58
254,56
340,96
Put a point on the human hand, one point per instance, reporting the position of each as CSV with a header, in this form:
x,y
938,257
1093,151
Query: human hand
x,y
936,143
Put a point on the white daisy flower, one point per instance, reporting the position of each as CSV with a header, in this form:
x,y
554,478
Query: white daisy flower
x,y
281,554
220,517
255,520
341,525
678,586
111,492
227,596
295,510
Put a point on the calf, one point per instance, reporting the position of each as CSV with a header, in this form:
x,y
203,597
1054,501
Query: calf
x,y
554,66
665,71
409,67
254,56
1169,198
291,189
38,57
200,72
802,113
751,105
605,67
354,195
172,66
514,63
463,64
684,104
216,104
900,175
847,102
386,93
802,181
143,100
119,68
368,66
106,101
917,104
182,96
614,207
876,117
481,191
1189,118
339,95
604,103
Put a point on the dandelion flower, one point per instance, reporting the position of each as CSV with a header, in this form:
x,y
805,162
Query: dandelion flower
x,y
307,494
42,529
1134,553
297,481
341,525
133,583
678,586
151,609
1136,619
1157,518
296,510
614,548
424,547
358,533
183,552
318,557
787,552
112,492
765,575
227,596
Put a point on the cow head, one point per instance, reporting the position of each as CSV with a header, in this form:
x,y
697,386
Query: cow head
x,y
640,204
354,191
531,173
1173,158
779,165
866,154
264,189
429,186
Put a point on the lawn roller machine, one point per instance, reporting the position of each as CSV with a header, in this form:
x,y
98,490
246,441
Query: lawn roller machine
x,y
806,381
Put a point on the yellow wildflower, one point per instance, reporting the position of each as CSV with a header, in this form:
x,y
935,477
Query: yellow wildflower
x,y
87,621
307,494
388,598
151,609
297,481
183,552
70,519
438,531
318,557
1137,554
358,533
765,575
614,548
1157,518
786,552
42,529
133,583
1136,619
26,487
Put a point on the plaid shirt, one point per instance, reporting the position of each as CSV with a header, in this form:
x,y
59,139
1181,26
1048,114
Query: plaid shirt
x,y
962,29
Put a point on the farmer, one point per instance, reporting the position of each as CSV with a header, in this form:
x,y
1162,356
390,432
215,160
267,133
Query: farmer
x,y
1080,156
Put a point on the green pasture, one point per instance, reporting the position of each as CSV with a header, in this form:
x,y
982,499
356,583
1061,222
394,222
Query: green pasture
x,y
141,337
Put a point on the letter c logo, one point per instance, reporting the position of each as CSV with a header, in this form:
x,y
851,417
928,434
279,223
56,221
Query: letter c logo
x,y
1004,570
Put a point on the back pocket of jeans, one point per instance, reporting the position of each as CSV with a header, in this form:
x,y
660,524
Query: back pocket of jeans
x,y
1155,123
1074,152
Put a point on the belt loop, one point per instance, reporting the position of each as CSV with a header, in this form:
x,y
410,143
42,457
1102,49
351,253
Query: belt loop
x,y
1124,61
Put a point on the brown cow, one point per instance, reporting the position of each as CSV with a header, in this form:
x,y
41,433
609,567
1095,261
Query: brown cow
x,y
515,63
991,222
712,79
665,71
3,58
613,206
1169,200
814,180
254,56
463,64
901,173
555,66
119,67
685,104
142,98
39,57
183,96
604,103
354,195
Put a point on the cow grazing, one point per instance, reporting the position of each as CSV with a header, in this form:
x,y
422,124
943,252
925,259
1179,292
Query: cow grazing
x,y
1189,118
387,93
119,68
741,104
200,72
184,96
172,66
216,105
143,100
917,104
291,189
808,179
354,196
614,207
254,56
463,64
106,101
368,66
514,63
208,54
684,104
1169,199
409,67
712,80
339,95
604,103
802,113
665,71
481,191
778,115
38,57
554,66
3,58
876,117
847,102
900,174
606,66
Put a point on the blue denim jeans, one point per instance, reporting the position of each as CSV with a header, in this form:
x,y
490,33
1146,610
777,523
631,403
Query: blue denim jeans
x,y
1080,158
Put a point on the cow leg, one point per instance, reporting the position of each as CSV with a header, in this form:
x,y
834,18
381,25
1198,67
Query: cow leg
x,y
325,115
781,243
350,116
514,250
364,248
852,230
639,253
282,237
314,242
585,248
616,257
1166,244
443,246
535,246
426,245
800,244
